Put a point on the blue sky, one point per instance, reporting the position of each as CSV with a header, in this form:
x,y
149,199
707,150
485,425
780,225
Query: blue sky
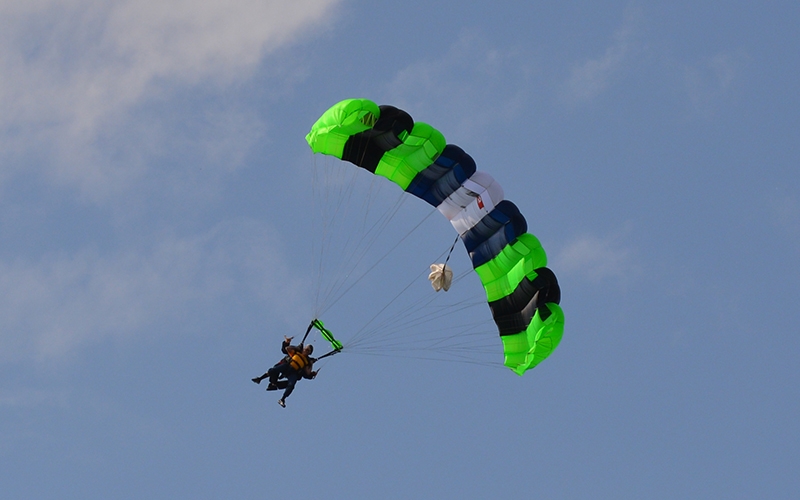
x,y
158,225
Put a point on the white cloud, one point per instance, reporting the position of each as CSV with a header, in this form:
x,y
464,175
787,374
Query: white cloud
x,y
55,304
471,85
591,78
598,258
710,80
25,398
71,68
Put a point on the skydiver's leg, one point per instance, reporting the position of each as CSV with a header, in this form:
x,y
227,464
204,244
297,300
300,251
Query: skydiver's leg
x,y
291,380
273,373
280,384
276,371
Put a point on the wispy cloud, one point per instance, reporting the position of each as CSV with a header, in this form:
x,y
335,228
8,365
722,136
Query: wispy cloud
x,y
57,303
470,83
72,68
24,398
710,80
590,78
599,258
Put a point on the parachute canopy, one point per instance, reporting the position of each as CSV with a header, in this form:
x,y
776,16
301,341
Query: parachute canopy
x,y
523,294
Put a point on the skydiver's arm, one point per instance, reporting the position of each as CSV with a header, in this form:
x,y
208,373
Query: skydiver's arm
x,y
307,371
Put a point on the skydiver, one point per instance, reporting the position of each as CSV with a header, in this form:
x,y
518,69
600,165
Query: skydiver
x,y
295,365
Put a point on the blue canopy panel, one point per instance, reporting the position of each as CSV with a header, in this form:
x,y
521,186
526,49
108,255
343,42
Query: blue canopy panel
x,y
444,176
500,227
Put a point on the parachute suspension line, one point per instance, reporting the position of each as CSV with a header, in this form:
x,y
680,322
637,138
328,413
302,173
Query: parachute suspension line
x,y
362,248
374,332
327,182
363,329
364,251
380,260
358,337
334,186
451,309
461,344
458,359
343,270
336,190
358,249
326,212
317,244
333,194
337,194
401,321
357,255
453,337
462,341
411,333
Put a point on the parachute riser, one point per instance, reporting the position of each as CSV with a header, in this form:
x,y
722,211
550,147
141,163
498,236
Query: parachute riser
x,y
335,351
310,326
326,334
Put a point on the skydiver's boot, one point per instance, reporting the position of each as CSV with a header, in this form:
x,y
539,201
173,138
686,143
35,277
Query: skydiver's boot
x,y
272,387
258,380
282,403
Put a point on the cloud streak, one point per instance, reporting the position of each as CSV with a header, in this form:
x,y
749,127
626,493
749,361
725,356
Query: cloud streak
x,y
62,301
592,77
597,258
708,82
473,85
70,69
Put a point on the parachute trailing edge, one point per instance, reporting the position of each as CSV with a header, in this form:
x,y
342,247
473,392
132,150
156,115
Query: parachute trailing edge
x,y
523,294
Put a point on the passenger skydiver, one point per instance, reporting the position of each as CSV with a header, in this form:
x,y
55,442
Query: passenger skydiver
x,y
295,365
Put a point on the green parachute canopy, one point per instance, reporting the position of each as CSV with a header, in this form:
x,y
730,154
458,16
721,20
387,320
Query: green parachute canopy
x,y
523,294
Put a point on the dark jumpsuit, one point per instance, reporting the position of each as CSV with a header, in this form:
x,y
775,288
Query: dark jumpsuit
x,y
285,369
